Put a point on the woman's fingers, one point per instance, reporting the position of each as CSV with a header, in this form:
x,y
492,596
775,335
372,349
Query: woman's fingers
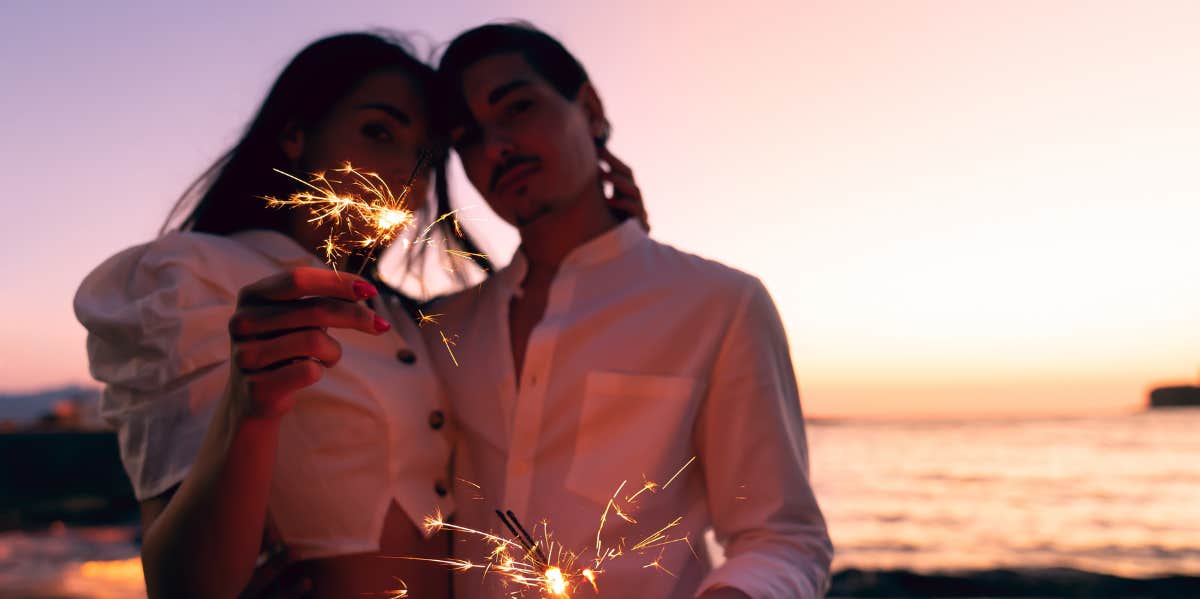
x,y
623,186
311,312
306,281
626,197
260,354
615,163
280,343
270,391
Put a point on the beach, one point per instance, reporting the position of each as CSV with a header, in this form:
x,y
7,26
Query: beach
x,y
1103,506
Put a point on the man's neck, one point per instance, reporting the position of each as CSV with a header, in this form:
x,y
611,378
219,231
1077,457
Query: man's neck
x,y
547,240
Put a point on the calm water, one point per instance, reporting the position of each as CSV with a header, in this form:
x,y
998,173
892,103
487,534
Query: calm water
x,y
1116,494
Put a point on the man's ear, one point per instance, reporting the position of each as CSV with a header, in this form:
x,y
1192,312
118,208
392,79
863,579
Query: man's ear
x,y
593,109
292,143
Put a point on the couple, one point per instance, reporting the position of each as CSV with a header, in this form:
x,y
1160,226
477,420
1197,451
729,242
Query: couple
x,y
256,390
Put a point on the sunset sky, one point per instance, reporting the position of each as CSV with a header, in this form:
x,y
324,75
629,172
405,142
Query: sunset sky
x,y
959,208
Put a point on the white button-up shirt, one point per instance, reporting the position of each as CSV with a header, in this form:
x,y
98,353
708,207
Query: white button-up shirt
x,y
645,357
157,316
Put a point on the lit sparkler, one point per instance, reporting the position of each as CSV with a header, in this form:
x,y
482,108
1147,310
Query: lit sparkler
x,y
365,214
363,204
542,566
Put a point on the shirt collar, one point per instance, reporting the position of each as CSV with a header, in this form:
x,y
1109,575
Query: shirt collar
x,y
277,247
602,248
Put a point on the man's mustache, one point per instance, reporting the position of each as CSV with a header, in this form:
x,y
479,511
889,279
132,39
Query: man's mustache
x,y
507,167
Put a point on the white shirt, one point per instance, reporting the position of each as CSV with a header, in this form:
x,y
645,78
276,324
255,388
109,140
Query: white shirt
x,y
645,357
157,317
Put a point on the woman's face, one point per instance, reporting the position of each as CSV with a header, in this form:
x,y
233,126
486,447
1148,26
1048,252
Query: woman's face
x,y
380,127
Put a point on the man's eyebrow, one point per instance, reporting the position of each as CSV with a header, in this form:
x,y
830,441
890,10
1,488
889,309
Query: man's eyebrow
x,y
499,93
392,111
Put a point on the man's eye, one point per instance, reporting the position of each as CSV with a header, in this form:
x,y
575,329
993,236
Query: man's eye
x,y
519,106
377,132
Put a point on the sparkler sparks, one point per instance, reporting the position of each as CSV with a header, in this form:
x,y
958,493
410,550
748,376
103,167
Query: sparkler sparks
x,y
365,207
363,213
449,343
424,319
542,566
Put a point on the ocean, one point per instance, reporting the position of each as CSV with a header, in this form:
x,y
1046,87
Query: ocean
x,y
1111,494
1114,494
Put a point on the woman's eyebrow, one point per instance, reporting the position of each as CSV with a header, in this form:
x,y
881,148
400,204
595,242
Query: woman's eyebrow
x,y
392,111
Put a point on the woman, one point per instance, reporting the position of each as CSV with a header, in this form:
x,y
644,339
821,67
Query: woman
x,y
218,342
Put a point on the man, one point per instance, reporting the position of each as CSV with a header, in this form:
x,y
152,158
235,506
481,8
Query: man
x,y
600,356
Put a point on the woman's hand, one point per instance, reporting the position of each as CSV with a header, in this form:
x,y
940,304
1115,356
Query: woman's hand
x,y
280,339
626,198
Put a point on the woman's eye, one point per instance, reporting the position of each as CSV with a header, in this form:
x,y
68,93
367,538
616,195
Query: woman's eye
x,y
377,132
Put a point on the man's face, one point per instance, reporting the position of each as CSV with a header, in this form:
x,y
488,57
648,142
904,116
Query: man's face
x,y
530,151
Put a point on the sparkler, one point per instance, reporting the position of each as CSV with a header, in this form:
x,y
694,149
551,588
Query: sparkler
x,y
370,212
544,567
365,214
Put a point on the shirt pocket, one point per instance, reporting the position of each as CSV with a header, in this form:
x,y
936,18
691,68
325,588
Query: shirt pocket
x,y
634,428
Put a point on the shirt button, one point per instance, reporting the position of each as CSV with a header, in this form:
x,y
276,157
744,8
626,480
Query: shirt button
x,y
406,356
439,488
436,419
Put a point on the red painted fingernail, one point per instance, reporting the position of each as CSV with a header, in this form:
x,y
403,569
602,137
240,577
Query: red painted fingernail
x,y
381,325
364,290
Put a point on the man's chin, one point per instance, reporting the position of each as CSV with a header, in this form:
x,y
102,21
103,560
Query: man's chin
x,y
531,216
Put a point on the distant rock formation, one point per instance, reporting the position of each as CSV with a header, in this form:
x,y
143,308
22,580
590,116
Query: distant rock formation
x,y
1175,397
65,408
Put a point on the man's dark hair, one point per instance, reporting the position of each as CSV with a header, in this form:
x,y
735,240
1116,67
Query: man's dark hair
x,y
545,54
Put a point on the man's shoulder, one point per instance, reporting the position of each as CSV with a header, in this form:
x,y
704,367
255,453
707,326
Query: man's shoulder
x,y
674,266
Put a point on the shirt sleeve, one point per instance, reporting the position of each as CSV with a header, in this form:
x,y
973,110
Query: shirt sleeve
x,y
751,443
156,317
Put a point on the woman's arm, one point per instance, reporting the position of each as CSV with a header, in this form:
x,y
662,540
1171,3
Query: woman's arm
x,y
206,539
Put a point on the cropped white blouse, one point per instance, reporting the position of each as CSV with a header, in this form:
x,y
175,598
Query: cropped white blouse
x,y
370,432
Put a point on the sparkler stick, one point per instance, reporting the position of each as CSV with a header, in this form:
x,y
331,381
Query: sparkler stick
x,y
530,545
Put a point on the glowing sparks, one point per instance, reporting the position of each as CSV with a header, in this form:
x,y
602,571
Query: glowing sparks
x,y
680,471
449,343
590,576
539,565
361,209
648,486
398,593
657,565
391,219
424,319
555,582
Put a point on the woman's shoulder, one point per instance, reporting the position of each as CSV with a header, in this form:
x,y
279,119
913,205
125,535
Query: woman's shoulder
x,y
185,249
187,262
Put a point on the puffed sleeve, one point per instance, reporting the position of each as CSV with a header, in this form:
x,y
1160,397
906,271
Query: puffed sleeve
x,y
156,317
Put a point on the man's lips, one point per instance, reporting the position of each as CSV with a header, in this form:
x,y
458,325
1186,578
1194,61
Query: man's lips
x,y
514,177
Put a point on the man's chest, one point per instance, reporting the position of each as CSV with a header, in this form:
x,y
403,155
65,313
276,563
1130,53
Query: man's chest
x,y
524,314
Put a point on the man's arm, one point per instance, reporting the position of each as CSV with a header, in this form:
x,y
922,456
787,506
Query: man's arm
x,y
751,444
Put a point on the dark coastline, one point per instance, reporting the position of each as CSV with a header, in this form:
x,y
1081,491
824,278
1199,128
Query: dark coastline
x,y
74,477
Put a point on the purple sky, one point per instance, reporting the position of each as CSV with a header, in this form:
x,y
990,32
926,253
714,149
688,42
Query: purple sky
x,y
959,207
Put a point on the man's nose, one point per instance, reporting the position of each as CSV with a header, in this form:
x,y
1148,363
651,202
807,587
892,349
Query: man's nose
x,y
498,145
